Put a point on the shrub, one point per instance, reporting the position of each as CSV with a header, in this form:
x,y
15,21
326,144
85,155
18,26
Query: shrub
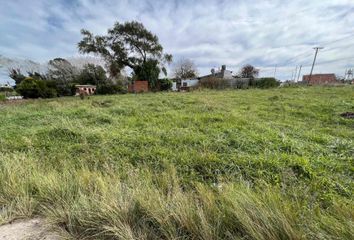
x,y
33,88
214,83
111,88
265,83
165,84
6,89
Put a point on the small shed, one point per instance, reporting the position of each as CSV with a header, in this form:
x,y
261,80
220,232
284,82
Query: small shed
x,y
85,90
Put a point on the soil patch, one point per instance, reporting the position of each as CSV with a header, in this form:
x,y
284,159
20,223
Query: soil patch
x,y
34,229
349,115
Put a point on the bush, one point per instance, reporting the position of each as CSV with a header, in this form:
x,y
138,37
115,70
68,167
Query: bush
x,y
111,89
165,84
265,83
34,88
6,89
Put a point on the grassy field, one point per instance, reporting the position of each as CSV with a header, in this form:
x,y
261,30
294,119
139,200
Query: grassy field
x,y
247,164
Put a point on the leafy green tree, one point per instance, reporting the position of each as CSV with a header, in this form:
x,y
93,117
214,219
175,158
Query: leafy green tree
x,y
148,71
127,44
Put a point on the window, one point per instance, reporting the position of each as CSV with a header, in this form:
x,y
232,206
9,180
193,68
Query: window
x,y
185,84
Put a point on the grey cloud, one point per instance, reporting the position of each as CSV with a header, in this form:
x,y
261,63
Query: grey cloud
x,y
210,32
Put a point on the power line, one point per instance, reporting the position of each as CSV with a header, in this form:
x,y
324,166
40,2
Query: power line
x,y
305,54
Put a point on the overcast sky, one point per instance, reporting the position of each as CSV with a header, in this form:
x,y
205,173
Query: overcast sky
x,y
265,33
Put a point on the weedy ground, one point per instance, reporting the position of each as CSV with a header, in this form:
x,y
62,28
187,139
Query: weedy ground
x,y
246,164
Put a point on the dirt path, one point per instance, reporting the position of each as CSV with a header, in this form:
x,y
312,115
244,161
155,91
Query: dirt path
x,y
34,229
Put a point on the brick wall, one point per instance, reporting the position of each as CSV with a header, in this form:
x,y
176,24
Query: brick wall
x,y
320,79
138,87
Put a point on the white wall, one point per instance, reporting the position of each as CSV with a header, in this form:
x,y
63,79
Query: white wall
x,y
174,86
190,82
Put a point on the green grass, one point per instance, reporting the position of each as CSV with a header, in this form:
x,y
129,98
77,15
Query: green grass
x,y
2,97
247,164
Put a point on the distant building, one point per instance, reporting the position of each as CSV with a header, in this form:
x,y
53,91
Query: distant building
x,y
85,89
186,84
318,79
5,86
223,73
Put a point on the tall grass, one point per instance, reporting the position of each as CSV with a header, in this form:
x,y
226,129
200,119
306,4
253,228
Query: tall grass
x,y
272,164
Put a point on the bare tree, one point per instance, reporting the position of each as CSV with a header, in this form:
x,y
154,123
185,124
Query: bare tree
x,y
249,71
185,68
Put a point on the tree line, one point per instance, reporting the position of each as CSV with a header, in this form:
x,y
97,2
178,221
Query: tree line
x,y
126,45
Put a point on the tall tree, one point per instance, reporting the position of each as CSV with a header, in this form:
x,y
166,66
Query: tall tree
x,y
64,74
249,71
185,68
127,44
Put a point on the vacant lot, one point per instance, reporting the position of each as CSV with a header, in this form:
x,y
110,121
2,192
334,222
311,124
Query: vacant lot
x,y
248,164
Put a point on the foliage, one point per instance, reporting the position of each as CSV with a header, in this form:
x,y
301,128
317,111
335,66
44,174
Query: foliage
x,y
16,75
92,74
238,83
148,71
2,96
64,74
254,164
6,89
248,71
165,84
127,44
110,88
266,83
37,75
185,69
34,88
214,83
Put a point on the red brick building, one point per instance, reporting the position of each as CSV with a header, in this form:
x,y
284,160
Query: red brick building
x,y
317,79
138,87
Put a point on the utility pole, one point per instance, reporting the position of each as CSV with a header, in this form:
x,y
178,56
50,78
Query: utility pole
x,y
345,74
295,74
275,70
314,61
298,76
